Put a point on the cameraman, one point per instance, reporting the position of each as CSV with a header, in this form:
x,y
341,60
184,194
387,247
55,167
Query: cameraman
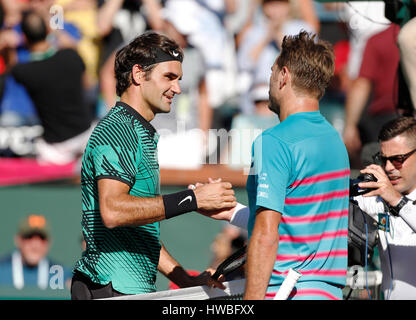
x,y
392,203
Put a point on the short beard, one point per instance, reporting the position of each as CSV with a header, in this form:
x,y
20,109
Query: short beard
x,y
274,105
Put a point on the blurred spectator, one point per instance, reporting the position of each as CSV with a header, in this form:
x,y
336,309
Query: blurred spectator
x,y
120,21
299,10
407,45
260,45
184,130
305,10
364,19
16,106
377,85
83,14
245,128
60,34
28,265
9,38
203,22
54,81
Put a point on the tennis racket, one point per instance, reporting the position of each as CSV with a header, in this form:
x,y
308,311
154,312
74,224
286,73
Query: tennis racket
x,y
233,262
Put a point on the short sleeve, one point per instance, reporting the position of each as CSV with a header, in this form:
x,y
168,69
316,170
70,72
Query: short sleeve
x,y
369,63
113,162
272,163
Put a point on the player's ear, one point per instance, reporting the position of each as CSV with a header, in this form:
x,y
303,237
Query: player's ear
x,y
285,77
137,74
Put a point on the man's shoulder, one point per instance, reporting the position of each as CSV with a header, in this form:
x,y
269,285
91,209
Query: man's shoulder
x,y
116,119
294,129
6,260
270,135
68,52
112,127
116,130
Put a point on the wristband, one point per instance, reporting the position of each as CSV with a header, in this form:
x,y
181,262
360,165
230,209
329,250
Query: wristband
x,y
396,209
179,203
240,216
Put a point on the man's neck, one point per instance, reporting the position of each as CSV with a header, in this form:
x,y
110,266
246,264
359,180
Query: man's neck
x,y
412,190
40,47
133,99
296,105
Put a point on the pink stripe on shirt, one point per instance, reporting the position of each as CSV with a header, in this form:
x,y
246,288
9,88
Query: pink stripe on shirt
x,y
321,178
315,218
317,198
305,292
318,237
317,272
312,292
319,255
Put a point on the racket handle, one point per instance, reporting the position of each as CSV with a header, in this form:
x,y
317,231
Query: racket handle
x,y
216,275
287,285
228,261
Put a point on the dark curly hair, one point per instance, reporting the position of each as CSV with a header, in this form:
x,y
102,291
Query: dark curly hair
x,y
141,51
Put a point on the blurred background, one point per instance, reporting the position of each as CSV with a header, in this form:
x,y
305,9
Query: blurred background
x,y
57,81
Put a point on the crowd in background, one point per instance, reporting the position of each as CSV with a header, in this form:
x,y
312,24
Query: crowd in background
x,y
60,80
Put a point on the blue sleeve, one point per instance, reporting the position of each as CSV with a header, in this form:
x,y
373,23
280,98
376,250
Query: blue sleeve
x,y
16,98
272,164
72,30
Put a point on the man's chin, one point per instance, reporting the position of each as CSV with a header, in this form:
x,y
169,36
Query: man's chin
x,y
399,186
164,109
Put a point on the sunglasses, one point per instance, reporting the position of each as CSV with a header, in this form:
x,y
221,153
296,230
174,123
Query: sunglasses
x,y
34,234
396,160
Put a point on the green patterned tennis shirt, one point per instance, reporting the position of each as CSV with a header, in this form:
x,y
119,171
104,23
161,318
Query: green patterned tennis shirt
x,y
123,146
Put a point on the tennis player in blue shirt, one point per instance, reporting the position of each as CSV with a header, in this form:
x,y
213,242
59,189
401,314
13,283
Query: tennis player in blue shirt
x,y
298,186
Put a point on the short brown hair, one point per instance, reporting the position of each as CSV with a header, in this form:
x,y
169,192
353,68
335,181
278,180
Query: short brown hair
x,y
310,61
141,51
397,127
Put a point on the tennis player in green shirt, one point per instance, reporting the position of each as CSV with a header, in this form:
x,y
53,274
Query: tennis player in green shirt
x,y
121,200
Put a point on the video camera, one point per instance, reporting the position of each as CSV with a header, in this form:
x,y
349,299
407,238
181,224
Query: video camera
x,y
355,190
362,229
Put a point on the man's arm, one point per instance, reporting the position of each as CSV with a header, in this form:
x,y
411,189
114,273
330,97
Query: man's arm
x,y
119,208
105,16
172,270
355,104
108,81
262,251
237,216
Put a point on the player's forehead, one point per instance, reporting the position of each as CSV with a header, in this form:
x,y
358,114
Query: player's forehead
x,y
173,68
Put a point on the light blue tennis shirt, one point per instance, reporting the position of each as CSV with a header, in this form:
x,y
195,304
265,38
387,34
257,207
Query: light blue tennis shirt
x,y
300,168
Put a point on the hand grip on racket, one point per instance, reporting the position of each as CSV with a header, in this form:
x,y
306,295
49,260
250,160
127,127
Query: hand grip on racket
x,y
233,262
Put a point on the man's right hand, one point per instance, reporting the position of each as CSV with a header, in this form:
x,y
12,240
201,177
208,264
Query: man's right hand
x,y
215,196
